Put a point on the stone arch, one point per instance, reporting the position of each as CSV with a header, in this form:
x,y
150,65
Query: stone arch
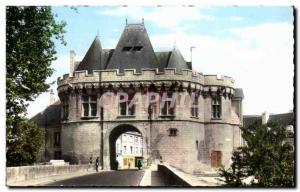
x,y
113,136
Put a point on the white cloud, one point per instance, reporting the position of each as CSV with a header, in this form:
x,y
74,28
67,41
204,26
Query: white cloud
x,y
162,16
260,59
236,18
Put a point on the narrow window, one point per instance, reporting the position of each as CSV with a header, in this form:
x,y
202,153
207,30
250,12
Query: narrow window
x,y
173,132
65,108
194,106
56,139
89,106
131,150
197,144
216,107
118,148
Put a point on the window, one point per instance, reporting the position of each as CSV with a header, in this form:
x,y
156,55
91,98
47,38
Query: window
x,y
173,132
125,149
216,107
152,110
127,48
137,48
118,148
131,152
65,108
197,144
141,151
125,110
89,106
57,155
168,109
57,139
194,106
136,139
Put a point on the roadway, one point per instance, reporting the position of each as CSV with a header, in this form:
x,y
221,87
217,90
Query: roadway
x,y
120,178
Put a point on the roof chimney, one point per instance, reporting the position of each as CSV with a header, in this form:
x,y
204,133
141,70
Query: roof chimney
x,y
52,97
265,117
72,62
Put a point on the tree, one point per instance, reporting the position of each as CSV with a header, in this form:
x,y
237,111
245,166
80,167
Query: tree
x,y
267,158
30,49
26,148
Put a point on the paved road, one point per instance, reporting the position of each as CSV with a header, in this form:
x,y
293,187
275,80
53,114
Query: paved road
x,y
107,178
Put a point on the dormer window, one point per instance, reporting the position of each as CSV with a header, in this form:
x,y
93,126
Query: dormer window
x,y
137,48
130,48
127,48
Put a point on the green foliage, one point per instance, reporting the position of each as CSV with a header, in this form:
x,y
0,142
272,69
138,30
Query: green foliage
x,y
30,35
267,158
26,145
237,172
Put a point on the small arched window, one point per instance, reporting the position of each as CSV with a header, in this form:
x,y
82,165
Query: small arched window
x,y
197,144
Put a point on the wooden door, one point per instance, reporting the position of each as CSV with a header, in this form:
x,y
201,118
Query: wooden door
x,y
216,158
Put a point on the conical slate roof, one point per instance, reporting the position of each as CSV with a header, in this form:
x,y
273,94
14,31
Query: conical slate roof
x,y
177,61
163,58
92,59
134,50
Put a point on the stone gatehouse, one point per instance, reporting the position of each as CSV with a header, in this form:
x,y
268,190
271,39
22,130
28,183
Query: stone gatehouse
x,y
197,137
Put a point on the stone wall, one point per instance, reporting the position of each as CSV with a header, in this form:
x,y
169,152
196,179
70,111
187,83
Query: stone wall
x,y
197,137
24,173
80,141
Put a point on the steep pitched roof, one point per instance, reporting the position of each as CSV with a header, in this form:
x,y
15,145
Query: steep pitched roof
x,y
106,56
92,59
283,119
177,61
134,50
49,117
163,58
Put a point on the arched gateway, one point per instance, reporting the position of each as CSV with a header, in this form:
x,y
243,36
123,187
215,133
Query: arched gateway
x,y
113,136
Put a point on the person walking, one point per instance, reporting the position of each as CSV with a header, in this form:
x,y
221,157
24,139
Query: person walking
x,y
117,165
91,163
97,164
139,164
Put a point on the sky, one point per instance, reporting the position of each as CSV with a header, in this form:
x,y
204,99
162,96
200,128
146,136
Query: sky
x,y
254,45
